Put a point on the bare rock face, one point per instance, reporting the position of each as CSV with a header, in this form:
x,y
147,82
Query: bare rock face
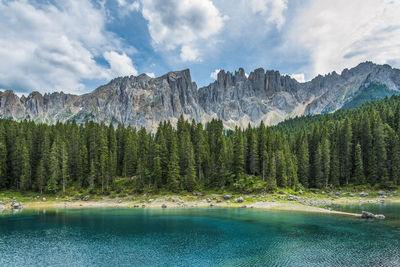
x,y
142,101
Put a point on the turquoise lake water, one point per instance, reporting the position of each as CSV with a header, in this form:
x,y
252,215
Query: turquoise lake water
x,y
195,237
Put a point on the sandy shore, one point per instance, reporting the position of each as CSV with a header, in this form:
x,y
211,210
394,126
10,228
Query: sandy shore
x,y
178,203
265,202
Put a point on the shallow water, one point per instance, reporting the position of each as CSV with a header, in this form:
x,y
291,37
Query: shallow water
x,y
194,237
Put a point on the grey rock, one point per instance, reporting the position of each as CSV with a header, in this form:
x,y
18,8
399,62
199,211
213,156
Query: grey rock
x,y
380,216
16,205
281,192
163,206
381,193
363,194
199,194
244,206
352,195
219,201
151,200
44,199
136,206
367,215
234,98
144,206
208,200
226,197
119,201
212,205
300,192
240,200
86,198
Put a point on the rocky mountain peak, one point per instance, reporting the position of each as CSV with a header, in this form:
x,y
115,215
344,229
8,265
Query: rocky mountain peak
x,y
233,97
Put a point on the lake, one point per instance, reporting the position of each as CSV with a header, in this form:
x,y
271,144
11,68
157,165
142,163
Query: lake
x,y
196,237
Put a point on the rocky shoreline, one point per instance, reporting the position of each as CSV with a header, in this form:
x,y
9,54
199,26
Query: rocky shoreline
x,y
280,201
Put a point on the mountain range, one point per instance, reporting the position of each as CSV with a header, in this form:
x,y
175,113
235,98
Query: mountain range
x,y
236,98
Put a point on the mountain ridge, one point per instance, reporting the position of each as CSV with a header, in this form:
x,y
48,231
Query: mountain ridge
x,y
235,98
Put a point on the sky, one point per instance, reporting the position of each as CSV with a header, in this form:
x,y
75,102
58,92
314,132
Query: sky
x,y
75,46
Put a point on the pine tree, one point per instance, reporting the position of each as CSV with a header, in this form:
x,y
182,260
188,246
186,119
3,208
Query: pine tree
x,y
303,162
25,166
173,176
359,177
55,170
325,161
3,165
271,181
281,169
92,175
41,176
346,151
238,160
64,167
380,153
395,170
157,169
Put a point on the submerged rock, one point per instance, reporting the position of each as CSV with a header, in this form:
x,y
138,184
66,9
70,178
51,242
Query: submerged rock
x,y
369,215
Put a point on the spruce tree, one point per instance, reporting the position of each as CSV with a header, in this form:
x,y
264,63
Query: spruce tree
x,y
173,176
359,177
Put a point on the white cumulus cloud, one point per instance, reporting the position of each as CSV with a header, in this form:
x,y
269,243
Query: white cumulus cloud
x,y
53,46
189,54
298,77
181,24
340,34
272,10
121,64
214,74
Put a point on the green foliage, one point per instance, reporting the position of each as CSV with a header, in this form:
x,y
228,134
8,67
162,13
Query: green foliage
x,y
349,147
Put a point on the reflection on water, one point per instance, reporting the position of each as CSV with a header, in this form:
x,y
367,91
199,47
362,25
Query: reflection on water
x,y
187,237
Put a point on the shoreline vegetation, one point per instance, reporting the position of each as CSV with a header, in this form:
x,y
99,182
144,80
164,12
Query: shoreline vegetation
x,y
308,202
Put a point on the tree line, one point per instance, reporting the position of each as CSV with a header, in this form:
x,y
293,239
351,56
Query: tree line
x,y
358,147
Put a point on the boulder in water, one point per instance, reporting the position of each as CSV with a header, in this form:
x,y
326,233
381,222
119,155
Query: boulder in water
x,y
367,215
